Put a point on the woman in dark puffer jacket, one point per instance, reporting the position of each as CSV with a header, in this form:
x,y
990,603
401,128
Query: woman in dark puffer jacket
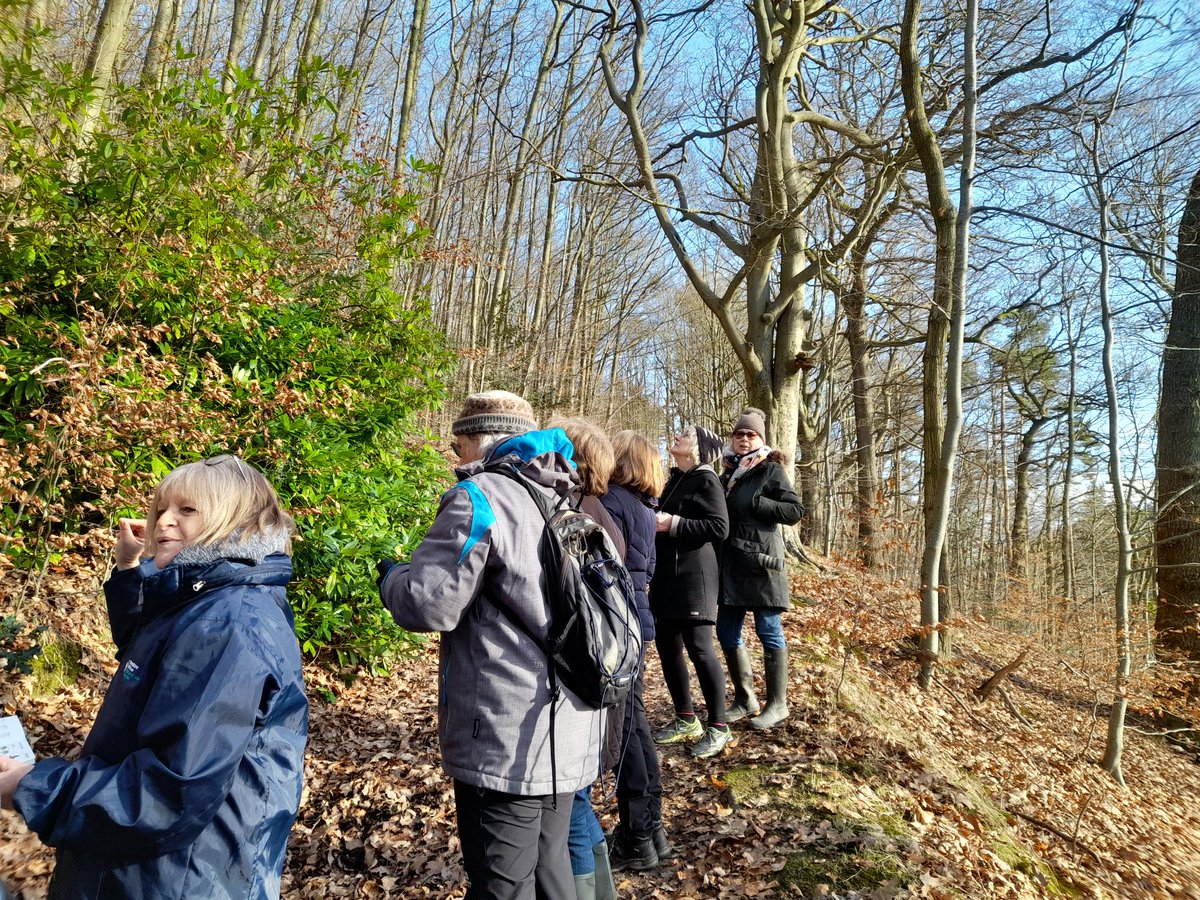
x,y
640,841
759,498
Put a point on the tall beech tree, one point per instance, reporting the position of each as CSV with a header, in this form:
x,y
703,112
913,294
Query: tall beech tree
x,y
944,339
1177,529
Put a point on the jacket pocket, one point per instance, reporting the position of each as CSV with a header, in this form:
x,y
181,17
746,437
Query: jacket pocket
x,y
755,556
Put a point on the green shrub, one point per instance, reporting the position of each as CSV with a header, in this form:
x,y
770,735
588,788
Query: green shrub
x,y
196,279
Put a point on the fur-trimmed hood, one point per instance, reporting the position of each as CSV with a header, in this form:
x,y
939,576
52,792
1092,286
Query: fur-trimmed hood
x,y
252,549
776,456
200,569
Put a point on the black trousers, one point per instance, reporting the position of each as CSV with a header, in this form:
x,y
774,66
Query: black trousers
x,y
673,637
639,779
514,847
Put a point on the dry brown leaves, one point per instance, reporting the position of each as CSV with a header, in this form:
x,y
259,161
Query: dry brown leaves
x,y
378,818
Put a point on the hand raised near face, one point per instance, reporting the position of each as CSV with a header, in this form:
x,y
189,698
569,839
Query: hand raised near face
x,y
131,542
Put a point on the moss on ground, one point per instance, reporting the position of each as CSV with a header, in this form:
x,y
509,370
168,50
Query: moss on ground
x,y
807,873
858,837
1032,866
58,667
857,818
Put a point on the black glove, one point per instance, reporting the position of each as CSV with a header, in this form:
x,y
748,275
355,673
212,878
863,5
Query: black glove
x,y
383,567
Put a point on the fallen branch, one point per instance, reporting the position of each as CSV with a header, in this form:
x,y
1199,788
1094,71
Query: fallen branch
x,y
1012,707
799,552
1167,733
964,706
985,690
1057,832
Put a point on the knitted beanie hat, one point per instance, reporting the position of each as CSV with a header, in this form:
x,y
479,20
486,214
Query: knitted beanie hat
x,y
752,419
709,446
495,412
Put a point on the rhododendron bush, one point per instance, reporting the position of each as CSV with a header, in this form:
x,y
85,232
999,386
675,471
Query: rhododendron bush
x,y
190,280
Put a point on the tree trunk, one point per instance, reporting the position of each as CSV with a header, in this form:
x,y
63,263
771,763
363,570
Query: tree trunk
x,y
1116,720
1177,528
102,58
947,314
866,495
1018,543
36,14
412,69
166,19
237,41
1066,525
303,75
263,42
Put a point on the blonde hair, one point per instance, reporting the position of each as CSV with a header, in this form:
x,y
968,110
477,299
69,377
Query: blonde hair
x,y
638,464
593,454
230,495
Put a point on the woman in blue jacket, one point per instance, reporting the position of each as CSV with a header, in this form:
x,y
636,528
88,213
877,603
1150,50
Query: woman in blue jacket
x,y
189,782
640,840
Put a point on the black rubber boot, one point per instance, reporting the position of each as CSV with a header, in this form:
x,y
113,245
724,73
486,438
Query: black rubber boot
x,y
742,678
627,850
776,709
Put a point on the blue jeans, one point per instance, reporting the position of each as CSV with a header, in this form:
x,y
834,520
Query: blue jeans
x,y
585,833
768,625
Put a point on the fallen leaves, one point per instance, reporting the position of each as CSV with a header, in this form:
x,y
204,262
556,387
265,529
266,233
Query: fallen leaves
x,y
872,789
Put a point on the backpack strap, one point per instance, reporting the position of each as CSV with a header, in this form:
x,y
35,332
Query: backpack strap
x,y
547,508
545,505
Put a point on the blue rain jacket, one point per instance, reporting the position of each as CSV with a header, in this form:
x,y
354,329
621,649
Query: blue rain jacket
x,y
190,779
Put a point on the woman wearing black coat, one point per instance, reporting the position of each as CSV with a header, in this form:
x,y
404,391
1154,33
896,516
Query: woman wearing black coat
x,y
759,498
691,524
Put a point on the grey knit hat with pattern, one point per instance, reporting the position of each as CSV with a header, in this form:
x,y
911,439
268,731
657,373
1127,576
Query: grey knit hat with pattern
x,y
752,419
708,446
495,412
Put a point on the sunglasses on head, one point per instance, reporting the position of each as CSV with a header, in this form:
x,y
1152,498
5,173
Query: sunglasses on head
x,y
227,458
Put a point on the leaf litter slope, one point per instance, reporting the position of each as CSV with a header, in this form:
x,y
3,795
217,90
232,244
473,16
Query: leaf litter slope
x,y
872,788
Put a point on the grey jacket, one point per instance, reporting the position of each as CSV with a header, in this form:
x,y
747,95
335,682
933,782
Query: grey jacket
x,y
474,574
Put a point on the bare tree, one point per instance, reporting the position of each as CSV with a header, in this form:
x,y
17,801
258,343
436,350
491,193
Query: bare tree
x,y
951,228
760,304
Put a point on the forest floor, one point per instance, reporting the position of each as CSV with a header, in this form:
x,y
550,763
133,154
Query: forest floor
x,y
871,789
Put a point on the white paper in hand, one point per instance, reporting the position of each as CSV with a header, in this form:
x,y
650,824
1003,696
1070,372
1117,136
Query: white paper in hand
x,y
13,742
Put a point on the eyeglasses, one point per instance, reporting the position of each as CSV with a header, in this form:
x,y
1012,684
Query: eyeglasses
x,y
745,434
456,448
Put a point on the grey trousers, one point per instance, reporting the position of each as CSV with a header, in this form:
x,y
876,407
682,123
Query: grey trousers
x,y
514,847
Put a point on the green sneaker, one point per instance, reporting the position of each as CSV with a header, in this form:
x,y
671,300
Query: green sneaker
x,y
679,730
713,742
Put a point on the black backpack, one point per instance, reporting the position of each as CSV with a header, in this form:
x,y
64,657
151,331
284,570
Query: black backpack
x,y
595,639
